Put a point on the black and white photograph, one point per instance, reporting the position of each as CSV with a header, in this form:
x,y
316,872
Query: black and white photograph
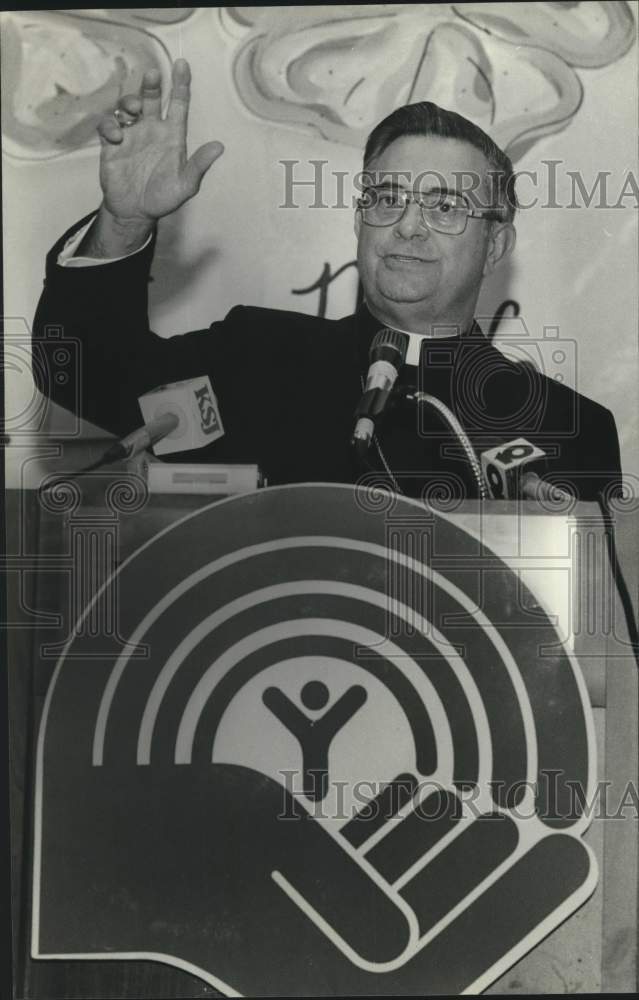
x,y
321,461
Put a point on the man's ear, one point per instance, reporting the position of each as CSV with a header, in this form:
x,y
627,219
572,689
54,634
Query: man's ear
x,y
501,244
357,222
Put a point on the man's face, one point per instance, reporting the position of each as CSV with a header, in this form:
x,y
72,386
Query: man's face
x,y
412,276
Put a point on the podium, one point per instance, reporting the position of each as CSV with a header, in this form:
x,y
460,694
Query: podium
x,y
438,837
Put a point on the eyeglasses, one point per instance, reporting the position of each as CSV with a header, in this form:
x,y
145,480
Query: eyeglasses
x,y
444,212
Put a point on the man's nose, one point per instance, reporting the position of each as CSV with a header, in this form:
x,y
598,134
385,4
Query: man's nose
x,y
411,223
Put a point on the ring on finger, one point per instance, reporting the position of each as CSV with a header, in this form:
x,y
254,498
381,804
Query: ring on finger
x,y
124,118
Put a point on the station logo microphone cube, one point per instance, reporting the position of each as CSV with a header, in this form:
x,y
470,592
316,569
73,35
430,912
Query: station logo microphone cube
x,y
194,404
503,466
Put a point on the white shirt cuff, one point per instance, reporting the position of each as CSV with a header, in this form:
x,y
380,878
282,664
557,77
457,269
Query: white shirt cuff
x,y
66,256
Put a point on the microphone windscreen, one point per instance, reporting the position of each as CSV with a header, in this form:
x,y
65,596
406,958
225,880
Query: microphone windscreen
x,y
194,403
389,338
504,465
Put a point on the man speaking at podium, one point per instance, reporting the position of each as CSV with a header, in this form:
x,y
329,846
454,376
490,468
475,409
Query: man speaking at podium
x,y
435,215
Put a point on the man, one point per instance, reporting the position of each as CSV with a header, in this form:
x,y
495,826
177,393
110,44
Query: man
x,y
435,218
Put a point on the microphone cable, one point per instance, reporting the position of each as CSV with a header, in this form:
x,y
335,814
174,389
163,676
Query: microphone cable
x,y
461,435
362,454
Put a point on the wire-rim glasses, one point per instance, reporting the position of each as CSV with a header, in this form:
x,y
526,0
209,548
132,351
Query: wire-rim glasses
x,y
443,211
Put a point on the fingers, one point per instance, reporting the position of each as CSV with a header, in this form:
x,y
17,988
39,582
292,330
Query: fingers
x,y
109,130
151,94
199,163
132,104
178,110
128,111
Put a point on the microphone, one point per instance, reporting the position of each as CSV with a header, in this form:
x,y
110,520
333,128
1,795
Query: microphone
x,y
178,417
534,488
126,448
387,354
512,470
141,439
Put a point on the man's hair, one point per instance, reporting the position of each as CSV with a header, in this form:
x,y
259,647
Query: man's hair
x,y
426,118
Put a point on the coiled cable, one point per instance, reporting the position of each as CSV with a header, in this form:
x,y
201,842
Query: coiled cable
x,y
461,435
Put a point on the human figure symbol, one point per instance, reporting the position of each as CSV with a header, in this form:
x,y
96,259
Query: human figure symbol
x,y
314,735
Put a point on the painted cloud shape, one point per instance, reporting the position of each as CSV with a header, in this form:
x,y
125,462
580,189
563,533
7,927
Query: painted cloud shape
x,y
338,69
510,68
62,71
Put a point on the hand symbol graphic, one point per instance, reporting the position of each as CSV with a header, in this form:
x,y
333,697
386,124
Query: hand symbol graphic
x,y
284,907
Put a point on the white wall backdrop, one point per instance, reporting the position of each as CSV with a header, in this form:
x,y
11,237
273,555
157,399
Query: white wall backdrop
x,y
575,269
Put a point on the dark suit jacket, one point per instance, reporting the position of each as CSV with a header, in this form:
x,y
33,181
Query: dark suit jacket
x,y
287,385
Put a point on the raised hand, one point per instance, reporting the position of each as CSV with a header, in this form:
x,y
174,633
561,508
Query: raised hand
x,y
144,170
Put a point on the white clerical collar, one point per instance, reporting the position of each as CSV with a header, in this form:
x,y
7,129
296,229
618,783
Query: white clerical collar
x,y
415,342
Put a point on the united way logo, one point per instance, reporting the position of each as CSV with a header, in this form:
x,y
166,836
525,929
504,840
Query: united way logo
x,y
328,762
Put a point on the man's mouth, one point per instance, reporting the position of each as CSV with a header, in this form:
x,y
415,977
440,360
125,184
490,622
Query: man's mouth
x,y
406,258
